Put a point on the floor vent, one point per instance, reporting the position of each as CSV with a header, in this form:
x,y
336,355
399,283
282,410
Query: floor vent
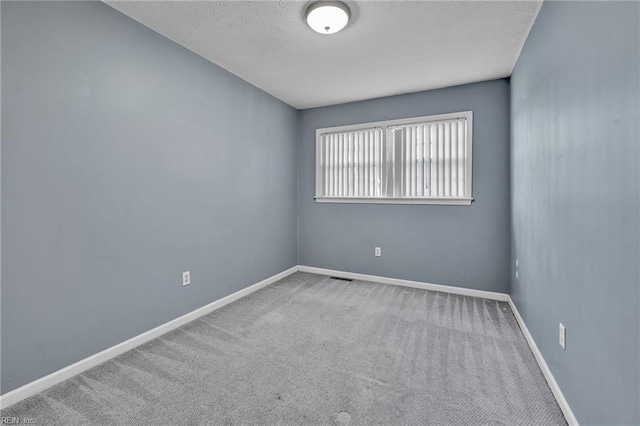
x,y
341,279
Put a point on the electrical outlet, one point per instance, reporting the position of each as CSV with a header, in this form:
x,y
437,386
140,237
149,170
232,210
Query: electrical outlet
x,y
186,278
562,336
377,252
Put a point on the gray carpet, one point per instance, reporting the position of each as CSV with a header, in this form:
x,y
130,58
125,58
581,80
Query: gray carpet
x,y
318,351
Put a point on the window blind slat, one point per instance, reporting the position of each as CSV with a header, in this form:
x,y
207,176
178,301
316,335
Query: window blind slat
x,y
432,178
354,161
345,168
329,169
349,189
386,168
377,182
461,158
380,178
339,165
323,152
454,159
406,161
336,166
334,144
425,159
440,160
372,153
467,157
400,170
406,165
352,164
402,162
425,162
369,161
323,165
365,163
327,188
447,159
356,154
347,175
419,163
360,168
412,157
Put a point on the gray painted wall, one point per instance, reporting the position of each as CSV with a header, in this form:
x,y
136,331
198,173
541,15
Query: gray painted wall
x,y
575,195
465,246
118,152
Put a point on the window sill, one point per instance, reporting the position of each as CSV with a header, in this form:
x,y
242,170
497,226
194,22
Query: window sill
x,y
360,200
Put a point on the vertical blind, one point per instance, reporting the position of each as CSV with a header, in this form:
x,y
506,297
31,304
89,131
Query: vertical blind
x,y
352,164
419,160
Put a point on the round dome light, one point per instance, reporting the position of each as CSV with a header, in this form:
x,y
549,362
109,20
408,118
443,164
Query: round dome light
x,y
328,17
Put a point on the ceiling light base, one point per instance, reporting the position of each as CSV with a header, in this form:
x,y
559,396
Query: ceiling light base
x,y
327,17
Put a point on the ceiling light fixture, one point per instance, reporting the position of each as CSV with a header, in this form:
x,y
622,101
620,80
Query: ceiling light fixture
x,y
327,17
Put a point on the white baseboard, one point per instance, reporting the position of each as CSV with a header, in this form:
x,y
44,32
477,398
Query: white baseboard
x,y
503,297
551,381
81,366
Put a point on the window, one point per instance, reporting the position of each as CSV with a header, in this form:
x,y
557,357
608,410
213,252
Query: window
x,y
421,160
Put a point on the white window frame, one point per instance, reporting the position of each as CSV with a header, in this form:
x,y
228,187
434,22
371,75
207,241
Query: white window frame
x,y
459,201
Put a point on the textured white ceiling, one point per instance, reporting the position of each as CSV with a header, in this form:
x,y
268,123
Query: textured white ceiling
x,y
388,48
